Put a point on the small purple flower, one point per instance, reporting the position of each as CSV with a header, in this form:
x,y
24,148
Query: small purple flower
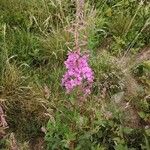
x,y
78,72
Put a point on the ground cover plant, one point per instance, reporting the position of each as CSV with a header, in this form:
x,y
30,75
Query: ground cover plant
x,y
74,75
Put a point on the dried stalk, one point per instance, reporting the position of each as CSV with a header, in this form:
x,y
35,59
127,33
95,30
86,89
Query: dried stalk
x,y
78,26
3,123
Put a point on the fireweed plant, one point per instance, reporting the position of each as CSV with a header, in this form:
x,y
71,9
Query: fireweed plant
x,y
78,74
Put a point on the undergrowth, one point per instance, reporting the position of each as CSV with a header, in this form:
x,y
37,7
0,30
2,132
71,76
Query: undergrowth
x,y
34,42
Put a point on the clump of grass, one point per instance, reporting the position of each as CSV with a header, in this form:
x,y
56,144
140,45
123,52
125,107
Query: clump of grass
x,y
23,102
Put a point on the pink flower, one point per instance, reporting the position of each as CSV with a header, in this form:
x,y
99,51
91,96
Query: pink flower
x,y
78,72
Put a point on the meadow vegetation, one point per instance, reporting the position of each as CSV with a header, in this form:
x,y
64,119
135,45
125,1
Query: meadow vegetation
x,y
40,115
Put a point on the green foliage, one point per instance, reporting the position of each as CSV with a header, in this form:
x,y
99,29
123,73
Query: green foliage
x,y
73,129
121,26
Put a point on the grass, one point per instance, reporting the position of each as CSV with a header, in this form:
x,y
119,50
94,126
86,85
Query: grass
x,y
33,46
